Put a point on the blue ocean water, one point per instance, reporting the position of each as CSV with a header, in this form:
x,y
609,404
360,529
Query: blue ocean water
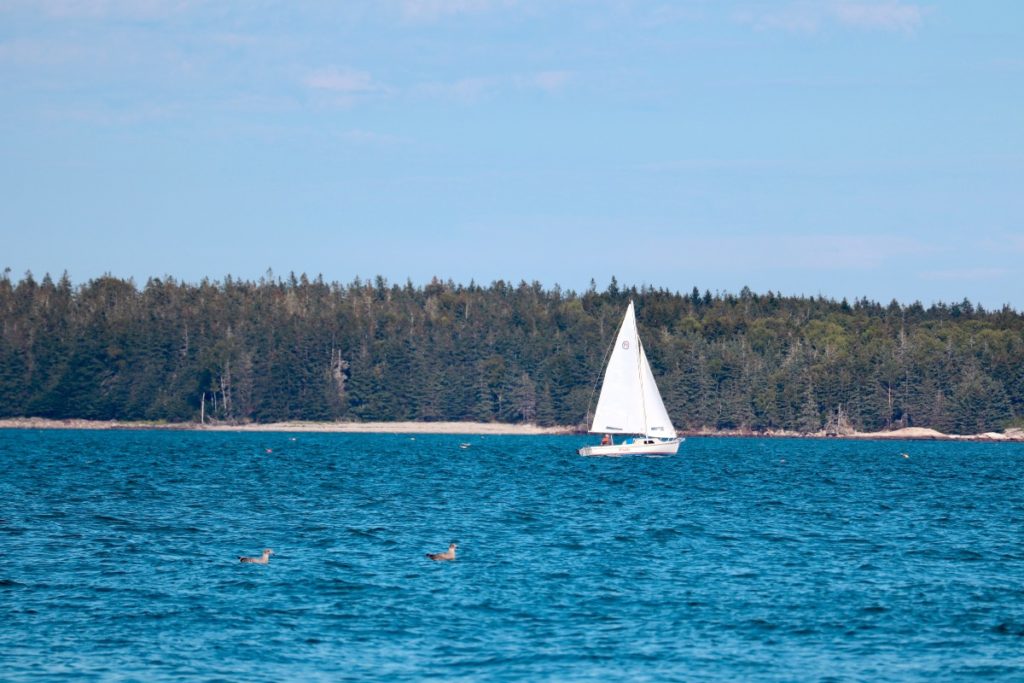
x,y
738,559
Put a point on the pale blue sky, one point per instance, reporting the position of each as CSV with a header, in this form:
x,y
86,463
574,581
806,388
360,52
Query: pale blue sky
x,y
844,148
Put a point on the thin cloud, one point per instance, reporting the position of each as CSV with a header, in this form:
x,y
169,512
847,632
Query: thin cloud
x,y
102,9
719,164
795,18
886,16
1001,244
967,274
473,89
550,81
344,87
463,90
124,116
343,81
805,252
665,15
429,10
236,39
370,138
807,17
41,53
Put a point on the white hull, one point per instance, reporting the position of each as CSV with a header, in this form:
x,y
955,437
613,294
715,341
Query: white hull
x,y
640,446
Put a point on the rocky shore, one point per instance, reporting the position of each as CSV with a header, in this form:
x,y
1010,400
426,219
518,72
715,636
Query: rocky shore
x,y
912,433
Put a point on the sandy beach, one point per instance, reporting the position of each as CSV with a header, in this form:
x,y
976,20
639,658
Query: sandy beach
x,y
493,428
340,427
925,433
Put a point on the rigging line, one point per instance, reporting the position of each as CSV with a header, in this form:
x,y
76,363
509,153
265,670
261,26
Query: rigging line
x,y
640,373
600,376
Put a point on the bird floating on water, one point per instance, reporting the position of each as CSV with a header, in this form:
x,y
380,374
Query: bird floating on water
x,y
447,555
262,559
904,455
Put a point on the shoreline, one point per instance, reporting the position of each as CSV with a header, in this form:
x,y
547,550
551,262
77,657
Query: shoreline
x,y
904,434
469,428
481,428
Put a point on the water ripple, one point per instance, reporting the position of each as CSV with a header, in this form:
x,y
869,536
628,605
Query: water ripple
x,y
738,559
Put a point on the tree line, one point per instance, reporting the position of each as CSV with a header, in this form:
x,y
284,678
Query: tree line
x,y
297,348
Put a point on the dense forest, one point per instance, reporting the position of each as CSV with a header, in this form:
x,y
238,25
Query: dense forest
x,y
301,349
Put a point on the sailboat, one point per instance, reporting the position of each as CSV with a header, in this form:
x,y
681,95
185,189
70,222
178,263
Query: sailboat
x,y
630,403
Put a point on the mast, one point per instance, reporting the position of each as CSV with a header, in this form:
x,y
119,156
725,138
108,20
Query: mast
x,y
640,357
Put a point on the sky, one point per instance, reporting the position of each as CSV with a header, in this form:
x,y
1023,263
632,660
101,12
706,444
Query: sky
x,y
844,148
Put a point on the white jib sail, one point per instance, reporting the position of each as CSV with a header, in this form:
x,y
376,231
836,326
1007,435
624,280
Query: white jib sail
x,y
630,402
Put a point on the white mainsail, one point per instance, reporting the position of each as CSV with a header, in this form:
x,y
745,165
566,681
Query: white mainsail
x,y
630,402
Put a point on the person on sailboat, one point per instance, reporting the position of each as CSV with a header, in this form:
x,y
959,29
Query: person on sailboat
x,y
607,440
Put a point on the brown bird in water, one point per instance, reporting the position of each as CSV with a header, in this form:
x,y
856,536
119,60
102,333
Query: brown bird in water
x,y
262,559
447,555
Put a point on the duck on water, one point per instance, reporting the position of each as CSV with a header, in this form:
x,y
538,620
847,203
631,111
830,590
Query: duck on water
x,y
447,555
262,559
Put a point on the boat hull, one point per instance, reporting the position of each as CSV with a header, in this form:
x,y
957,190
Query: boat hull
x,y
638,447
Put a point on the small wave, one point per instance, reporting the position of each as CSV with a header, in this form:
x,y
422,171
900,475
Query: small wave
x,y
243,584
568,545
341,586
487,607
744,574
370,532
1009,628
854,540
967,555
761,625
113,521
664,534
805,631
874,609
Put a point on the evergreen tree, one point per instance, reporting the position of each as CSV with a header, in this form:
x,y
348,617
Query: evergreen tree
x,y
298,348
